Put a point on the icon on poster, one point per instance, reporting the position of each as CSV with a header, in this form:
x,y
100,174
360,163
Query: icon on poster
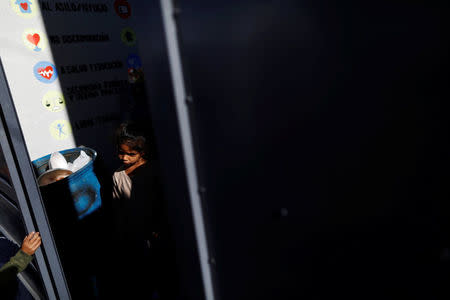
x,y
34,40
54,101
60,129
122,8
128,36
134,65
134,61
45,72
24,8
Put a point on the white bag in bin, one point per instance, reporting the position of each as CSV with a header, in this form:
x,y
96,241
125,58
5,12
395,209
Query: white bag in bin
x,y
82,160
58,161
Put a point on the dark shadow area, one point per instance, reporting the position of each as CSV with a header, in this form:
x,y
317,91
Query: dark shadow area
x,y
323,132
7,250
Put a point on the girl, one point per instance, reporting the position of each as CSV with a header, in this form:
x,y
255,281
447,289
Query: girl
x,y
141,216
136,211
132,146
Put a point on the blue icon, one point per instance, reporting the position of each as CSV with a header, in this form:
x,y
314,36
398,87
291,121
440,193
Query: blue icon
x,y
45,72
24,5
60,128
134,61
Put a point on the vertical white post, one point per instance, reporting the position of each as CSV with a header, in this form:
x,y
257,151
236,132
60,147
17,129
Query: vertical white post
x,y
186,139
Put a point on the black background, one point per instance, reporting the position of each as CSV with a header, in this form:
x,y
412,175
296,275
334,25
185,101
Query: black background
x,y
336,113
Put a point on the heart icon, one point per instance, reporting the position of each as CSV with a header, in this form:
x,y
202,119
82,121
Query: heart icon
x,y
47,73
24,6
34,39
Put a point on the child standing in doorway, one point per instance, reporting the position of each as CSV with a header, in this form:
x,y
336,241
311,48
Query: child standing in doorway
x,y
139,213
137,193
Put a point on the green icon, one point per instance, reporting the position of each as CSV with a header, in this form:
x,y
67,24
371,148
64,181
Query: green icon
x,y
128,36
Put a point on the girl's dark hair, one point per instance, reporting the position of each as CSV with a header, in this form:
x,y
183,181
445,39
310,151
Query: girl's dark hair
x,y
134,136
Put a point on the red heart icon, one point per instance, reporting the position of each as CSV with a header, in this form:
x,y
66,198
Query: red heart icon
x,y
47,73
24,6
34,39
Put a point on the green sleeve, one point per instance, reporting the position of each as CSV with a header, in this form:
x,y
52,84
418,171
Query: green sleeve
x,y
18,262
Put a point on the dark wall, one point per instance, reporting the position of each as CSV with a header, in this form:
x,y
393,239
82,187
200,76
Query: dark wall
x,y
153,51
322,129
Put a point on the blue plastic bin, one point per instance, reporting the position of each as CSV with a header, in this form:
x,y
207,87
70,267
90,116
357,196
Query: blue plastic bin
x,y
83,185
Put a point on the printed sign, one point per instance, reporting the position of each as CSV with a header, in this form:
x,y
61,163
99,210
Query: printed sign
x,y
45,72
75,54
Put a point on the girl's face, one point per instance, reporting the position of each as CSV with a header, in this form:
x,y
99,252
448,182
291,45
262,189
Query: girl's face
x,y
128,156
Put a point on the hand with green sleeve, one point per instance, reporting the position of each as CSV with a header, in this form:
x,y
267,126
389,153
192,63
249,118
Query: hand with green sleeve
x,y
20,261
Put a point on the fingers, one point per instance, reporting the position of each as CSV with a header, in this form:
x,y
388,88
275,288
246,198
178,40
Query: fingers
x,y
31,243
35,241
34,236
29,236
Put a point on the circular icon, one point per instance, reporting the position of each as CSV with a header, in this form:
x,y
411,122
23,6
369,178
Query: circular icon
x,y
134,61
45,72
24,8
54,101
128,36
122,8
60,129
34,40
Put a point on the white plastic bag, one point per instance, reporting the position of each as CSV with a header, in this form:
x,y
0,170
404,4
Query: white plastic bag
x,y
57,161
82,160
